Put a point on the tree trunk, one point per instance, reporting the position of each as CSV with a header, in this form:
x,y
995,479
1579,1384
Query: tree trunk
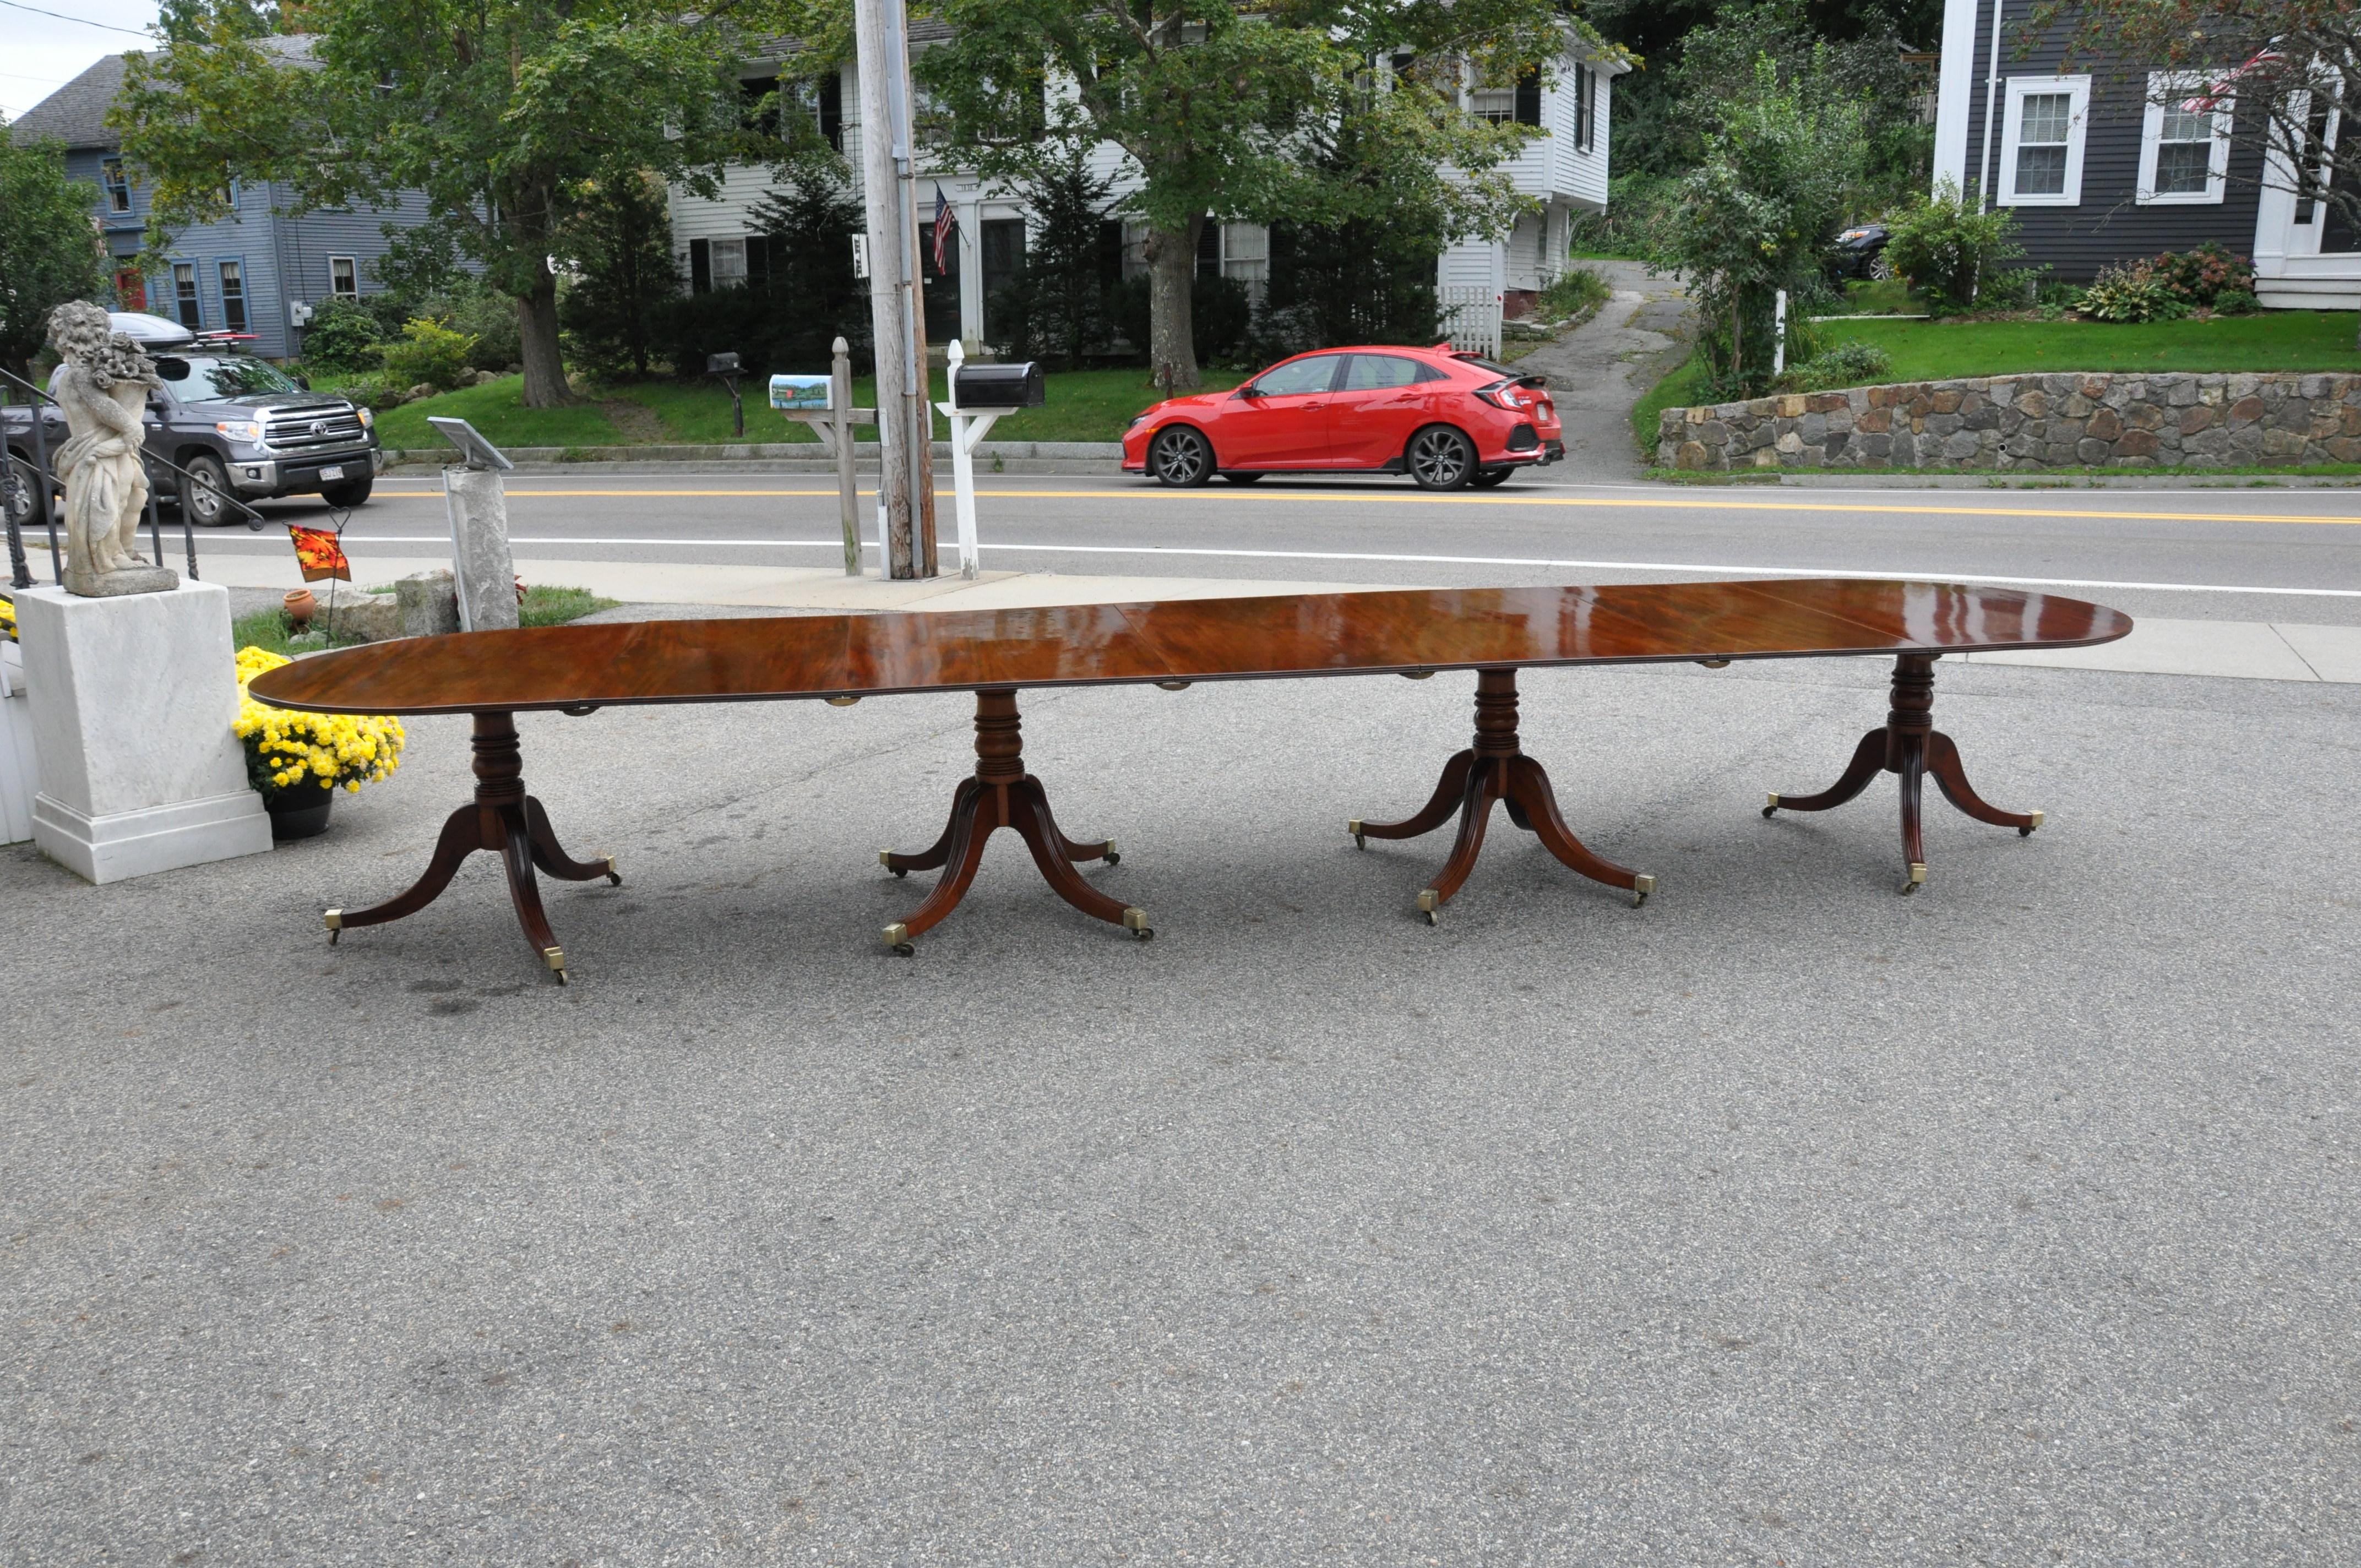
x,y
544,366
1172,324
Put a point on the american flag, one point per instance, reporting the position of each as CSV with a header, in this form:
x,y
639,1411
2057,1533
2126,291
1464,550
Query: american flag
x,y
2217,93
945,224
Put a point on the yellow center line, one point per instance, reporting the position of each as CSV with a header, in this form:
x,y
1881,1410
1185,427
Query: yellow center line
x,y
1609,503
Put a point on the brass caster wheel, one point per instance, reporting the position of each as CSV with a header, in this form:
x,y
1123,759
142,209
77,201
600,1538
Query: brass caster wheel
x,y
1353,825
1917,879
897,939
1112,857
2039,818
1773,806
1642,886
886,859
336,922
614,877
556,959
904,950
1135,922
1431,906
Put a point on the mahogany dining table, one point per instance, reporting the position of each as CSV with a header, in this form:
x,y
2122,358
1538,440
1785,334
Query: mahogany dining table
x,y
840,659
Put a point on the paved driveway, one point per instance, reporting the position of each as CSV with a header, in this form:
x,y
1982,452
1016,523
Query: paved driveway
x,y
1782,1221
1598,371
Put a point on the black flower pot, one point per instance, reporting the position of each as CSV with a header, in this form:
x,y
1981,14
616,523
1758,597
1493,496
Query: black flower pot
x,y
300,811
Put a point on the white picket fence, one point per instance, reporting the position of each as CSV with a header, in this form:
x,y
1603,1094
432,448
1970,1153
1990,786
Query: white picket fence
x,y
1472,317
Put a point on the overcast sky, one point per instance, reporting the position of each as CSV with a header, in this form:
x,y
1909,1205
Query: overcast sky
x,y
42,53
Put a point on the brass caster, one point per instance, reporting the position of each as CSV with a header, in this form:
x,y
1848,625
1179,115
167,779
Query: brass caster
x,y
1642,886
1774,806
841,701
2039,818
1917,879
1112,857
897,941
1135,922
614,877
1430,906
1353,825
556,959
335,921
886,859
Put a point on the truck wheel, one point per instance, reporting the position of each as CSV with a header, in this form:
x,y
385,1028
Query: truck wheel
x,y
204,492
351,493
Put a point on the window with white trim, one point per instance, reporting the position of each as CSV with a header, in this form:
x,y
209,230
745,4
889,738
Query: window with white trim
x,y
2184,142
729,262
344,278
2041,141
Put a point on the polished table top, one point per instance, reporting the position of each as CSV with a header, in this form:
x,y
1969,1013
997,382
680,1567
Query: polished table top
x,y
1176,640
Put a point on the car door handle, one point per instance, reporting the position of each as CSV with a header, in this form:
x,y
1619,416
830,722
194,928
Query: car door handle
x,y
1321,404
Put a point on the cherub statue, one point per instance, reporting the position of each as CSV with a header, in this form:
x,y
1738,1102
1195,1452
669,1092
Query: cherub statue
x,y
101,386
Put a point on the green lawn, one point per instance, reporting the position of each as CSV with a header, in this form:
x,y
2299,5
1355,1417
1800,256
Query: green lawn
x,y
1935,351
1084,405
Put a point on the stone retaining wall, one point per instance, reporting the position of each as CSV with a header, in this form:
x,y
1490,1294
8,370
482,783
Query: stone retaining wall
x,y
2072,420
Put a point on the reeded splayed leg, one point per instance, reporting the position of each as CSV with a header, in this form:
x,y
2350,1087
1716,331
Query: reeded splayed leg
x,y
503,820
1003,794
1495,768
1911,747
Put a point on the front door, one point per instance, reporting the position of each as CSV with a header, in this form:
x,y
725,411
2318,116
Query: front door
x,y
1287,425
1382,399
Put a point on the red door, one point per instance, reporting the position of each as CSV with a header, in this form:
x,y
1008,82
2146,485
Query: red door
x,y
1381,400
1286,426
131,287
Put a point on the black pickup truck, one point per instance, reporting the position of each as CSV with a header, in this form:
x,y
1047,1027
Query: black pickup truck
x,y
239,426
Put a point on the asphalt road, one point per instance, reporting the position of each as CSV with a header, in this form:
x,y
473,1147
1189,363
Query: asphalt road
x,y
2226,553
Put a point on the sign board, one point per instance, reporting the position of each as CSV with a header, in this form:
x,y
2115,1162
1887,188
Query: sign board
x,y
860,256
799,392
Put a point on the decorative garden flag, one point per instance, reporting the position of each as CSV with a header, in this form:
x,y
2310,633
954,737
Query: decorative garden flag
x,y
319,554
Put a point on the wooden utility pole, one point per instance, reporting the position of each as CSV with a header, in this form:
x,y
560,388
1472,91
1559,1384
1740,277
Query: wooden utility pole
x,y
906,481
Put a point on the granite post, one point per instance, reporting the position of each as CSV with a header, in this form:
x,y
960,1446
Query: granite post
x,y
132,698
484,569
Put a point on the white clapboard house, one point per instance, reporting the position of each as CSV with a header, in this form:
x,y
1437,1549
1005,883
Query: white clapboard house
x,y
1563,169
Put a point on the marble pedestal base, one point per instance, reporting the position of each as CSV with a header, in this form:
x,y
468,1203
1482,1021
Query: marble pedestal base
x,y
132,702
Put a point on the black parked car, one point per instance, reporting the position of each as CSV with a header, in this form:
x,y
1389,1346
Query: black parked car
x,y
240,426
1860,253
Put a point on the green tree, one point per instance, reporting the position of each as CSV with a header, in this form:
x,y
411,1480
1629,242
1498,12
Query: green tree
x,y
48,249
505,115
1758,215
620,243
811,217
1221,105
1059,302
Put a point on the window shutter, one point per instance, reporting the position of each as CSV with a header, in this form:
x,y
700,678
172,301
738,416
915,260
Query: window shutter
x,y
831,110
1529,98
758,263
1209,249
700,267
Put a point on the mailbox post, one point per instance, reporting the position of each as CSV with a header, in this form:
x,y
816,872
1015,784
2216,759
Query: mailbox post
x,y
980,395
723,367
826,406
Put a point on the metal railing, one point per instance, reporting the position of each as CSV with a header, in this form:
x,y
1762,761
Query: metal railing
x,y
43,484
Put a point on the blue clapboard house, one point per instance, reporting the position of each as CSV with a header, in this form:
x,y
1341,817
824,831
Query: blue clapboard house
x,y
254,271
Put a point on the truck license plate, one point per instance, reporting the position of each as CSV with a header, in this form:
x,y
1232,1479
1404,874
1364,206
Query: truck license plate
x,y
331,473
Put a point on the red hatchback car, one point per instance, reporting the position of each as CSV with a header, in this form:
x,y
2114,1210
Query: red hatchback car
x,y
1446,420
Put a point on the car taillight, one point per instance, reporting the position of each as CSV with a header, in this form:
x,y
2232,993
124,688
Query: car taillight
x,y
1503,395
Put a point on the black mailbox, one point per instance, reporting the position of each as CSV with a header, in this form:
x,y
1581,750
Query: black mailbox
x,y
721,365
999,386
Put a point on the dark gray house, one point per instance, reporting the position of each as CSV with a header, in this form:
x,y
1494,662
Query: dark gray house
x,y
2102,162
255,272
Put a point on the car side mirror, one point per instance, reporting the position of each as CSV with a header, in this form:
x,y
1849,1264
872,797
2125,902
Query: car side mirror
x,y
1250,391
304,382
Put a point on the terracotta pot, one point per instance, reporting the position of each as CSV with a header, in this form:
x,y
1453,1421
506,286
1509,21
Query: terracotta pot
x,y
300,606
300,811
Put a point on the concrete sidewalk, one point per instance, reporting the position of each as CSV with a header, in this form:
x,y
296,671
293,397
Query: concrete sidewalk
x,y
2237,649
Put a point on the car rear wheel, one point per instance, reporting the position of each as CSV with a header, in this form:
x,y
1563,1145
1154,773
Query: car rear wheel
x,y
349,494
1881,267
1180,458
1234,477
1491,478
1441,458
17,489
204,491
